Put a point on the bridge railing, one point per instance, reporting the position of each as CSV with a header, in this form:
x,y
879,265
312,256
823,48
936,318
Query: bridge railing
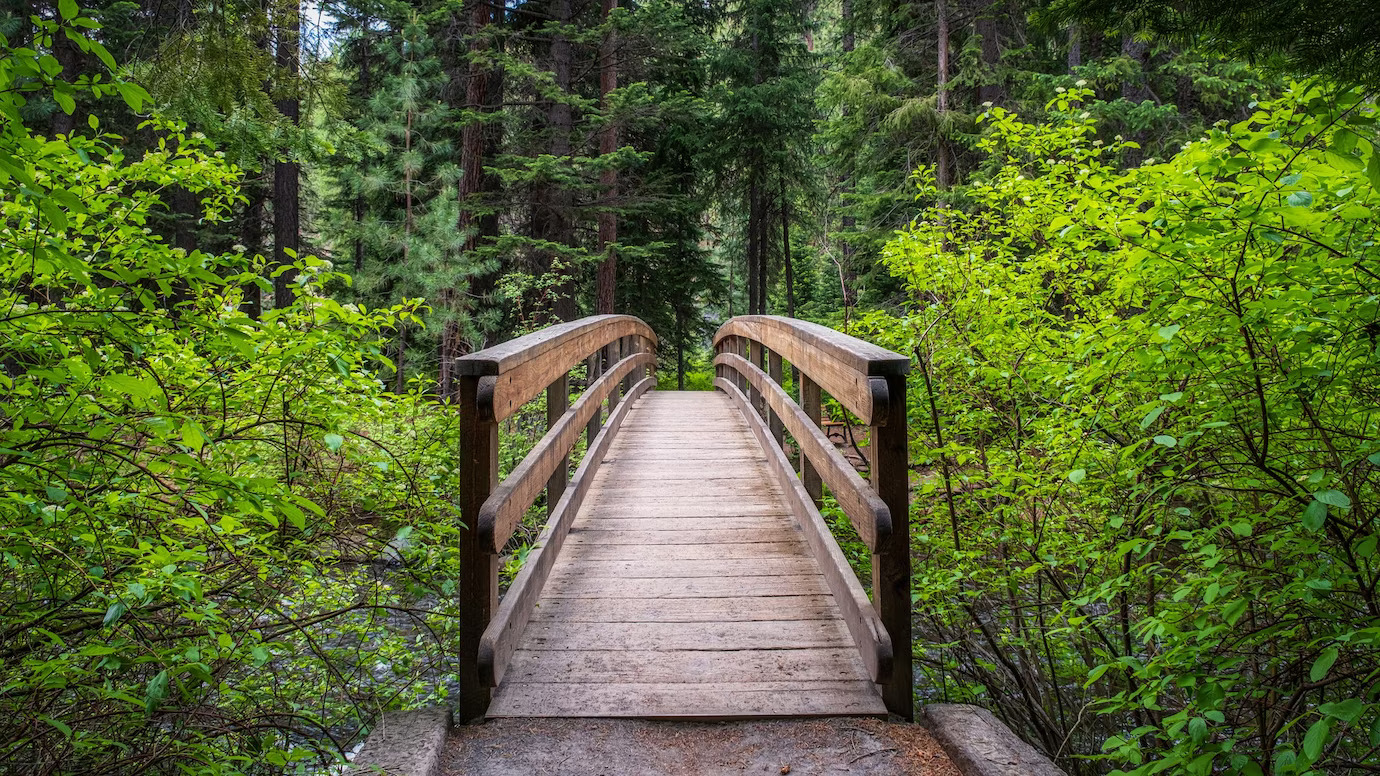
x,y
495,383
868,381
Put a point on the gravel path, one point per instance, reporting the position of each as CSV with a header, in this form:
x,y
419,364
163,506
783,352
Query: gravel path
x,y
606,747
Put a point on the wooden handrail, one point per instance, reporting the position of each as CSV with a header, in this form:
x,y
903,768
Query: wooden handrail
x,y
869,515
523,367
870,382
494,384
842,365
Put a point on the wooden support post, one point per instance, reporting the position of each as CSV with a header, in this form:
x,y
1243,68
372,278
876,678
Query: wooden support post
x,y
891,561
625,349
613,353
478,564
595,368
557,402
778,431
754,395
810,403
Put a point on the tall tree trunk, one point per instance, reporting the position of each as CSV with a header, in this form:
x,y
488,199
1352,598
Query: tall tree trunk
x,y
608,144
557,201
786,251
989,53
366,88
472,183
944,172
1075,47
287,228
849,222
754,248
69,59
252,236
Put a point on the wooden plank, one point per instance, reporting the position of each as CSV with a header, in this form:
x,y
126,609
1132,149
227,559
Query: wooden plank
x,y
523,367
865,509
865,626
732,550
685,667
778,431
503,633
478,564
503,510
574,586
649,509
734,609
707,701
774,526
709,536
703,636
657,569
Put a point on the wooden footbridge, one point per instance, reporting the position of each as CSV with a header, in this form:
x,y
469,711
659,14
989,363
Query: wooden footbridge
x,y
685,570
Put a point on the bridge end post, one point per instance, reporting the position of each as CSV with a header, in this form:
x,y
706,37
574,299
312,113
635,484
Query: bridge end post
x,y
478,563
891,561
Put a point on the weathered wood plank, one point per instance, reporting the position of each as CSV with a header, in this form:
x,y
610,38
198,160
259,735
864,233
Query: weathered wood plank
x,y
775,526
689,701
700,587
734,609
699,551
866,510
685,667
865,626
708,536
800,565
704,636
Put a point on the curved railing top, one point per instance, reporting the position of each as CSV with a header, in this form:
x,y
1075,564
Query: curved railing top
x,y
844,366
524,366
779,332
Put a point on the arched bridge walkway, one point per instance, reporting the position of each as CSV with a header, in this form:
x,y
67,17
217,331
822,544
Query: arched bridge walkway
x,y
685,570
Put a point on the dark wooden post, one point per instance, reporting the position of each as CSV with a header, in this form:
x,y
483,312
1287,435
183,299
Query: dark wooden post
x,y
626,347
810,403
613,353
891,561
595,368
557,402
754,395
778,431
478,564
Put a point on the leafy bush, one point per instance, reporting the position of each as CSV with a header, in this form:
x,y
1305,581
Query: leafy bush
x,y
193,504
1147,402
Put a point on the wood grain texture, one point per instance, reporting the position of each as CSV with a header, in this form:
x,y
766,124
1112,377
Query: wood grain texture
x,y
865,509
864,624
684,588
523,367
840,364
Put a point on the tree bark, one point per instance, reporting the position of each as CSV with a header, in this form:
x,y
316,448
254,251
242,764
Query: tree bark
x,y
556,201
990,54
944,173
786,251
252,236
286,203
608,144
1075,47
754,275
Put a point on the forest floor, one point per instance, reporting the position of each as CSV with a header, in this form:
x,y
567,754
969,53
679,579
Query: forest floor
x,y
612,747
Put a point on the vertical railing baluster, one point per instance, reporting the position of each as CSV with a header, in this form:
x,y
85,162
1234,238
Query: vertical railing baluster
x,y
778,430
613,352
754,395
478,564
557,402
810,403
595,368
891,561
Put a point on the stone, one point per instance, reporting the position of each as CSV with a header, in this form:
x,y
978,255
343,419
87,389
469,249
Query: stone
x,y
980,745
404,743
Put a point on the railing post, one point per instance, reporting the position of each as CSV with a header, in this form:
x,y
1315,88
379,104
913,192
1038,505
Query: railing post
x,y
612,355
557,402
626,347
778,431
891,561
478,564
754,395
593,370
810,403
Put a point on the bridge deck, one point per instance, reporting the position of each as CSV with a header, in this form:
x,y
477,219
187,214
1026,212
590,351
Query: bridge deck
x,y
685,588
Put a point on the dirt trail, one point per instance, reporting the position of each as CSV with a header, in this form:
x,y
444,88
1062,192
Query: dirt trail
x,y
607,747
